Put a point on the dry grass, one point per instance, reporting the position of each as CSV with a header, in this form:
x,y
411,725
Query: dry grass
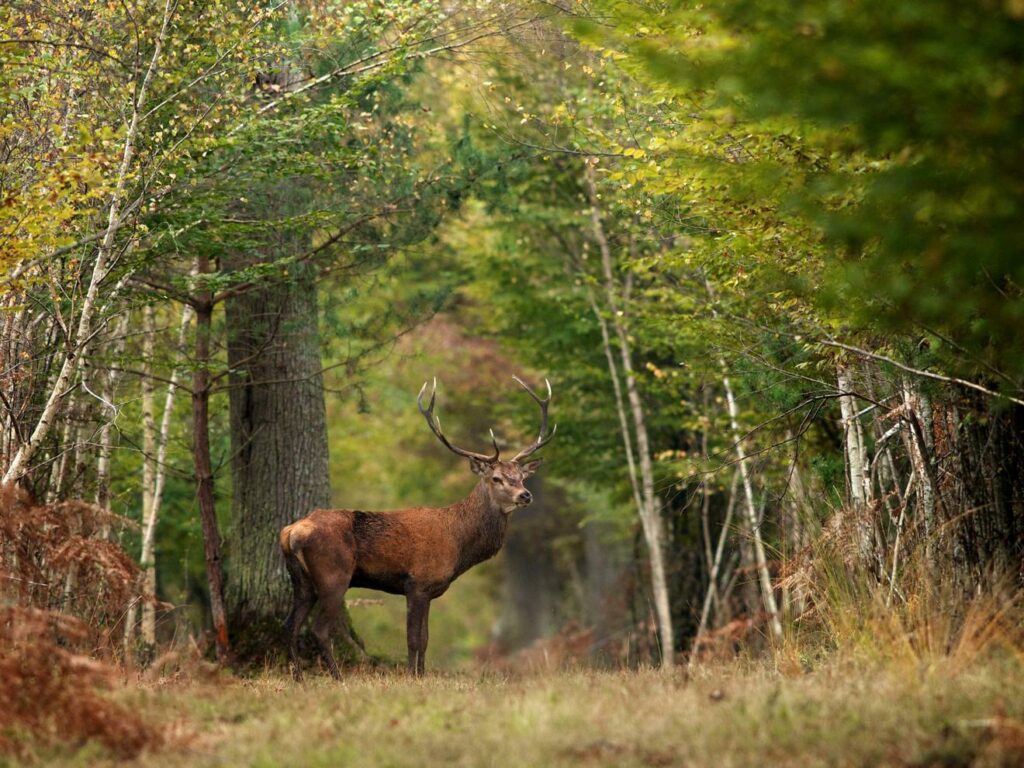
x,y
734,715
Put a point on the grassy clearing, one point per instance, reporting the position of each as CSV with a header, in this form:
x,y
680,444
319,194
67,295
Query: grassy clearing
x,y
729,716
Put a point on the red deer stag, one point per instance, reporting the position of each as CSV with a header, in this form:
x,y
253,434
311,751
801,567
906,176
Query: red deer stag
x,y
417,552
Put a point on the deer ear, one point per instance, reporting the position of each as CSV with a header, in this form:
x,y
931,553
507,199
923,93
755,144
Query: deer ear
x,y
531,467
480,467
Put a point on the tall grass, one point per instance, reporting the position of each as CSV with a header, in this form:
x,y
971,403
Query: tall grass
x,y
924,619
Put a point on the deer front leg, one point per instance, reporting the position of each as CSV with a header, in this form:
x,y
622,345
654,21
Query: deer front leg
x,y
424,633
417,608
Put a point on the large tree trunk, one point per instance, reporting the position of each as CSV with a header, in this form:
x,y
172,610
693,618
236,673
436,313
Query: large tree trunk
x,y
279,452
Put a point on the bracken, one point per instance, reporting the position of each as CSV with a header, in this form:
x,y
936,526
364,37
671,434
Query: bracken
x,y
61,592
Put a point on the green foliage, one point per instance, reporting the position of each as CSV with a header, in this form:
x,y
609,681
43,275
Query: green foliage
x,y
891,130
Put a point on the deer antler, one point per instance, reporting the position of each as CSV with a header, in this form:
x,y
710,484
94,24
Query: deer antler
x,y
435,426
542,438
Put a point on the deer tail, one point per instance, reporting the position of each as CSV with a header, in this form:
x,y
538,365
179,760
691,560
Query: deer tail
x,y
293,539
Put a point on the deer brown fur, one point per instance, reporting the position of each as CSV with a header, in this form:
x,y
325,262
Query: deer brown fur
x,y
417,552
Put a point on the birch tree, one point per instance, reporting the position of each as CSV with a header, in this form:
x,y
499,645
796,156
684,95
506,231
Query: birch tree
x,y
154,467
858,465
750,507
650,517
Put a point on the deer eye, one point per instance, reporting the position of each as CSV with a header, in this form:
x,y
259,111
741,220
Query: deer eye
x,y
496,480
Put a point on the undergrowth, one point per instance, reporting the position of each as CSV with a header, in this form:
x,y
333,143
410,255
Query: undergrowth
x,y
62,589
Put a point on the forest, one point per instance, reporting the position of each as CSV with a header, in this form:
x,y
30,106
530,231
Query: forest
x,y
759,264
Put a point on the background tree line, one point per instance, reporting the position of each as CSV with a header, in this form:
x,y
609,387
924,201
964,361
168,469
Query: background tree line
x,y
769,257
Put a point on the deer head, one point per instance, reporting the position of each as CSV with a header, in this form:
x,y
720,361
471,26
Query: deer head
x,y
502,480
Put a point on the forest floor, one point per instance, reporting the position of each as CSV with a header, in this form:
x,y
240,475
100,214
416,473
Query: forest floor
x,y
731,715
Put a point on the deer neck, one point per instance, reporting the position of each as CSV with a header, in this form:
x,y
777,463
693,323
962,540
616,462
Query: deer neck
x,y
480,527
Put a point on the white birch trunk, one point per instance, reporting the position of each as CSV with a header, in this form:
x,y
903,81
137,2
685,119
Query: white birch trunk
x,y
857,465
620,408
155,447
716,565
148,457
149,532
920,457
650,520
858,468
753,524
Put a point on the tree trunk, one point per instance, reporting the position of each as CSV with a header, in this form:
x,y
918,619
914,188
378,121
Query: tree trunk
x,y
753,524
204,467
858,470
920,455
650,519
157,459
148,462
714,566
279,450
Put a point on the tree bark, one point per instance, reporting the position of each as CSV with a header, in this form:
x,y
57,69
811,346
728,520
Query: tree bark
x,y
753,524
149,468
858,469
920,455
148,461
278,445
204,467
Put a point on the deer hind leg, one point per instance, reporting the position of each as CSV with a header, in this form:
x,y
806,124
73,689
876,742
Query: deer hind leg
x,y
332,573
325,624
303,599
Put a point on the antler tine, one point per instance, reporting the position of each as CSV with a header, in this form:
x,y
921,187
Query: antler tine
x,y
544,437
435,426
